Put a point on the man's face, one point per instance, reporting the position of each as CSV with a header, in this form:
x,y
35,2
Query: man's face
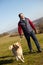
x,y
22,16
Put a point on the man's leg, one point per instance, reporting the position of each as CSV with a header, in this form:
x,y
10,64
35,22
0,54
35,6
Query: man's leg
x,y
28,40
35,40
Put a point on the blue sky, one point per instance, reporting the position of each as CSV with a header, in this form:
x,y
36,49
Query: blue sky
x,y
9,10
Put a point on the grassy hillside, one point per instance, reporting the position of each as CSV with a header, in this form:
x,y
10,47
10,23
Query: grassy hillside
x,y
7,58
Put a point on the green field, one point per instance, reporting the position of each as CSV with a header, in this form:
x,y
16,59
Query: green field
x,y
7,58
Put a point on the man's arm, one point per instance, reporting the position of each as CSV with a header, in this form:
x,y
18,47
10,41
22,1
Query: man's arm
x,y
19,29
32,25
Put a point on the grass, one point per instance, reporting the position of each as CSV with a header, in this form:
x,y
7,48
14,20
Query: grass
x,y
7,58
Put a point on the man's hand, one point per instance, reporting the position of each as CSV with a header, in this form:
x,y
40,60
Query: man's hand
x,y
21,36
36,31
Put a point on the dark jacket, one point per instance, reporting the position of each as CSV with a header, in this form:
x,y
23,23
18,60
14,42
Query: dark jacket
x,y
26,26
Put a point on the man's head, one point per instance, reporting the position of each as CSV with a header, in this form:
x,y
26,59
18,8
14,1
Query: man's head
x,y
21,16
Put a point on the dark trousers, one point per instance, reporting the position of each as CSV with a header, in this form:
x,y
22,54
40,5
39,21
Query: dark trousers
x,y
32,34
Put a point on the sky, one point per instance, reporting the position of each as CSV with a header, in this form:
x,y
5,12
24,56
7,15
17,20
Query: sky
x,y
9,10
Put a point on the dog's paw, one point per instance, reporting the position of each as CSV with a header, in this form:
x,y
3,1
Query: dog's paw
x,y
23,61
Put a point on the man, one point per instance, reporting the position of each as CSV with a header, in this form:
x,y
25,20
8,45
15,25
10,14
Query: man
x,y
27,26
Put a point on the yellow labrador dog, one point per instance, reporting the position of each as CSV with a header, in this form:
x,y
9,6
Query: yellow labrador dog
x,y
17,51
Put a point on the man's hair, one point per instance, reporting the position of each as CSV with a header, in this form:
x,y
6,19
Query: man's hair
x,y
20,14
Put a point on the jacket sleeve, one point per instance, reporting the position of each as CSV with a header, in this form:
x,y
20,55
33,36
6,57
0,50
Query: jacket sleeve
x,y
32,25
19,29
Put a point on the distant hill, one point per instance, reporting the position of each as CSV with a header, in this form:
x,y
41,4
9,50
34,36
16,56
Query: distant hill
x,y
39,24
38,21
15,30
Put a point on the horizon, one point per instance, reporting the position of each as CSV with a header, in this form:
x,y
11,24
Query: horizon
x,y
9,10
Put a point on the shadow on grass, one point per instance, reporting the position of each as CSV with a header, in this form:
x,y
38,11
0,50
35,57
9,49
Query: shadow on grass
x,y
34,52
7,61
26,53
6,56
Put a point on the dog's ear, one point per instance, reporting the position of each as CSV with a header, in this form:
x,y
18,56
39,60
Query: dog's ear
x,y
13,45
16,47
10,47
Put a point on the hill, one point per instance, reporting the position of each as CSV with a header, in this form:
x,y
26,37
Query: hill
x,y
37,21
13,31
39,24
